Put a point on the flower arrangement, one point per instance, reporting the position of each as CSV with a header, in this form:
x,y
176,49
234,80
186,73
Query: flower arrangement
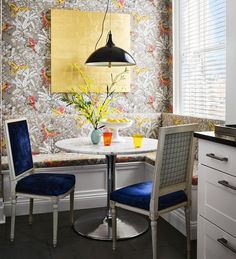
x,y
94,106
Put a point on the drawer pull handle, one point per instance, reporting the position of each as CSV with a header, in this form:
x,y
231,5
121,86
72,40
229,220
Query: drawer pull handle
x,y
211,155
226,184
224,242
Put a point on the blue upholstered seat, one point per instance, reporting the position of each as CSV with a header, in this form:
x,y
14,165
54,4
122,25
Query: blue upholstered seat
x,y
49,184
139,195
46,186
172,171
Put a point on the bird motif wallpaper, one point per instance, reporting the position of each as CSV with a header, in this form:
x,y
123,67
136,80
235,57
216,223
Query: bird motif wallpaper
x,y
27,76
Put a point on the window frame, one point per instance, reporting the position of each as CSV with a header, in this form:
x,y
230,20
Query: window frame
x,y
176,57
177,61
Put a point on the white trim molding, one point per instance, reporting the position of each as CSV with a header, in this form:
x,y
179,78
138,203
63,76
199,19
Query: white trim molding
x,y
90,191
177,217
90,188
2,214
194,93
176,56
230,61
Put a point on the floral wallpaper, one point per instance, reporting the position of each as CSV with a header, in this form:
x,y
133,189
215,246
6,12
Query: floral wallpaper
x,y
26,67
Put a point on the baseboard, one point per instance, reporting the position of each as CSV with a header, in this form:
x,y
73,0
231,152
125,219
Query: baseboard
x,y
2,212
90,189
85,201
177,219
81,201
93,194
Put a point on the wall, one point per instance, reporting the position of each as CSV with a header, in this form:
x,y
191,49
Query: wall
x,y
230,62
26,66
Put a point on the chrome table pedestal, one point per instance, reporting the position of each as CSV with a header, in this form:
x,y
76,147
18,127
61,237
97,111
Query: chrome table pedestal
x,y
97,225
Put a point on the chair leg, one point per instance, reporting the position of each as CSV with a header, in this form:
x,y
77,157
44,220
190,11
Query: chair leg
x,y
187,219
114,226
72,207
31,210
55,222
13,216
154,238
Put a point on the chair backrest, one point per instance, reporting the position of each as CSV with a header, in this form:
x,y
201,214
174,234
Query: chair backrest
x,y
18,147
174,161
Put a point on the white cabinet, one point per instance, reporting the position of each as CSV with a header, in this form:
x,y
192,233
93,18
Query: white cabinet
x,y
218,156
213,242
216,201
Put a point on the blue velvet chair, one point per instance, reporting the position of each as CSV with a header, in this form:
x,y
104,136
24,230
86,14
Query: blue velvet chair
x,y
170,187
26,183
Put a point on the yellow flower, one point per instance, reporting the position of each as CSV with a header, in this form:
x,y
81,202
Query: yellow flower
x,y
94,106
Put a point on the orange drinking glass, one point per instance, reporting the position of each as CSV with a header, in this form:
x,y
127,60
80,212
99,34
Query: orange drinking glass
x,y
107,136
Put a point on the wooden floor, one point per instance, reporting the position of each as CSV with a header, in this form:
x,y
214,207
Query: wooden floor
x,y
35,242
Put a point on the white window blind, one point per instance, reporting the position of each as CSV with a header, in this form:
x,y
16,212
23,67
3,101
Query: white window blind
x,y
202,58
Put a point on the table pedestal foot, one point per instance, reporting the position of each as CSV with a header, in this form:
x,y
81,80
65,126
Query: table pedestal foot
x,y
97,226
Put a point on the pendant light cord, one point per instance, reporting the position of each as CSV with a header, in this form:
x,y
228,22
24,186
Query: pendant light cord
x,y
103,21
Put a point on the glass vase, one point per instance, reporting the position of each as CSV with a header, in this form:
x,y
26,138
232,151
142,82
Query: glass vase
x,y
96,135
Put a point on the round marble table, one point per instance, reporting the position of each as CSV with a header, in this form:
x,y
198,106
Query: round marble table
x,y
98,225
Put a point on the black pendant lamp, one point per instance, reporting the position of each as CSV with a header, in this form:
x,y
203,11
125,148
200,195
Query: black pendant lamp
x,y
109,55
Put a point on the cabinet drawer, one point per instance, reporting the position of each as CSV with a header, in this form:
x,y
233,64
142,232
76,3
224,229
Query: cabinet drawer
x,y
215,155
216,202
210,239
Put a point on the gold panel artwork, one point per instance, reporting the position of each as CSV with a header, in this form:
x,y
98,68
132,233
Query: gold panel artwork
x,y
73,38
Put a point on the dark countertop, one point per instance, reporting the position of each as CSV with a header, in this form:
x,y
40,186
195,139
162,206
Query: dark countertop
x,y
214,137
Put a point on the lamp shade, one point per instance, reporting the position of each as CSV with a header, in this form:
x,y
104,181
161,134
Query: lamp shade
x,y
110,55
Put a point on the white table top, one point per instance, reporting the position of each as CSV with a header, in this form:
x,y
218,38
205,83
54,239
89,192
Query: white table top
x,y
83,145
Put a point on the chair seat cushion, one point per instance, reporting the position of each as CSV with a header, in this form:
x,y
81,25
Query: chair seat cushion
x,y
48,184
139,195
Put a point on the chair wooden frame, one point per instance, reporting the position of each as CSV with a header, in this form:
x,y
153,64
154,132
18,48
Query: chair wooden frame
x,y
157,191
13,181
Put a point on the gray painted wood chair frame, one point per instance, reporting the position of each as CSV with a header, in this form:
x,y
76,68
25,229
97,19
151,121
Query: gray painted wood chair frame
x,y
13,182
166,179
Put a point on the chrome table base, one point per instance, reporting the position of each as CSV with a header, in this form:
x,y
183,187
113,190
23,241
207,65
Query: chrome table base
x,y
97,226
